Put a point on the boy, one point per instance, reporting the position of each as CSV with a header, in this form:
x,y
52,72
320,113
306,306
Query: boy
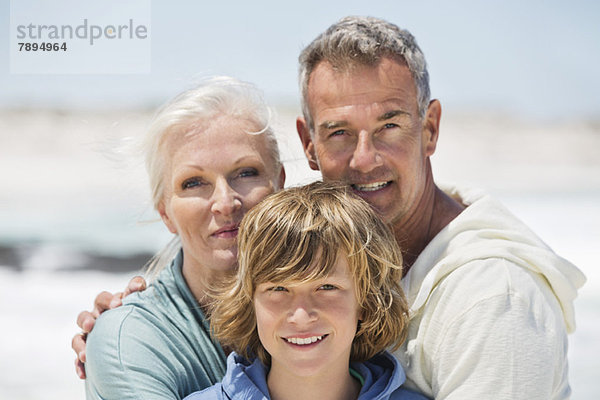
x,y
314,303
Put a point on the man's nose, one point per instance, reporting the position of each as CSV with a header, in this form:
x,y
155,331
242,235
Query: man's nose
x,y
365,157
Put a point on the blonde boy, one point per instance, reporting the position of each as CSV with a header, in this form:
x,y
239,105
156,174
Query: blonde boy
x,y
315,301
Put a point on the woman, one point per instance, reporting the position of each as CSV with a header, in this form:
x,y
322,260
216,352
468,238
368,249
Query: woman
x,y
314,304
211,156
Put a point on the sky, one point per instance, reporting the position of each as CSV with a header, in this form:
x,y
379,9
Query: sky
x,y
532,58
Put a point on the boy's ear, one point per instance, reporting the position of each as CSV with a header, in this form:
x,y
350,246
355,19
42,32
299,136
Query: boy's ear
x,y
358,325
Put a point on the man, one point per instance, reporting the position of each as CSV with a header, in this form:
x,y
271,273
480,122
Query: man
x,y
491,304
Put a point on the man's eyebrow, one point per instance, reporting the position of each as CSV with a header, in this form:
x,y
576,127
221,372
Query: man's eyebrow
x,y
392,114
332,124
328,125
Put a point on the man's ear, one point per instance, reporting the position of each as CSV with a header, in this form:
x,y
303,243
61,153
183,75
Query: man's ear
x,y
307,143
165,218
431,127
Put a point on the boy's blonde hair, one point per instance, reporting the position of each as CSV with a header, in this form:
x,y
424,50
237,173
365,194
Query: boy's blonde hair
x,y
297,235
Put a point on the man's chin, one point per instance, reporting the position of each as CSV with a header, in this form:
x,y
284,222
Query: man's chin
x,y
375,205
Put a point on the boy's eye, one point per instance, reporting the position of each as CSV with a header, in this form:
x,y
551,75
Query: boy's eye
x,y
278,289
327,286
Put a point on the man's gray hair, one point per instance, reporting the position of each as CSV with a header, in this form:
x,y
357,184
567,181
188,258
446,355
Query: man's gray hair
x,y
363,41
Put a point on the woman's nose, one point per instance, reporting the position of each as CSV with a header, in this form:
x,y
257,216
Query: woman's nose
x,y
226,200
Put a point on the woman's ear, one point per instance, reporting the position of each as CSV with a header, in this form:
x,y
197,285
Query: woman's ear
x,y
281,178
165,217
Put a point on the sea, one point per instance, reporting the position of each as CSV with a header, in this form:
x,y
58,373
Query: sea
x,y
75,219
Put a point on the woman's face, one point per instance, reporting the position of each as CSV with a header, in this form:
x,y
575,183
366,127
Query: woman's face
x,y
212,177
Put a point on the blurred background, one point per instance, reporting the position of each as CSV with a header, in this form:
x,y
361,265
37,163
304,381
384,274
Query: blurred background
x,y
520,92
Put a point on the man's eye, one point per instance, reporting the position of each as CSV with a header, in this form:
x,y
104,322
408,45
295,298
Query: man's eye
x,y
389,126
339,132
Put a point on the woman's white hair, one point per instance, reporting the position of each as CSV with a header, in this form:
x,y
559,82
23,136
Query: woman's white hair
x,y
220,95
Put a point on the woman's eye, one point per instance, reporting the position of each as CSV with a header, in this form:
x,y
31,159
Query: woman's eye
x,y
248,172
191,183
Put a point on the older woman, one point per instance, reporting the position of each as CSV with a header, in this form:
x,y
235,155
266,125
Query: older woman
x,y
211,156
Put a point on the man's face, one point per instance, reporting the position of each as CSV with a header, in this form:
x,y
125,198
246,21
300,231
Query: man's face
x,y
368,133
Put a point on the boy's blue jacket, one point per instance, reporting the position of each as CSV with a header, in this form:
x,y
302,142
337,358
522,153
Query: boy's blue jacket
x,y
382,376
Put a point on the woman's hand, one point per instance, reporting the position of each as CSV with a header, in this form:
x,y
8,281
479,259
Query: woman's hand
x,y
86,319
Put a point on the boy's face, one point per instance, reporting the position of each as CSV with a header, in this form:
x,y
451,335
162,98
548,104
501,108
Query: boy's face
x,y
308,328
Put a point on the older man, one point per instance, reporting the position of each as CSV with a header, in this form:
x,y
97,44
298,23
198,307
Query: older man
x,y
491,303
